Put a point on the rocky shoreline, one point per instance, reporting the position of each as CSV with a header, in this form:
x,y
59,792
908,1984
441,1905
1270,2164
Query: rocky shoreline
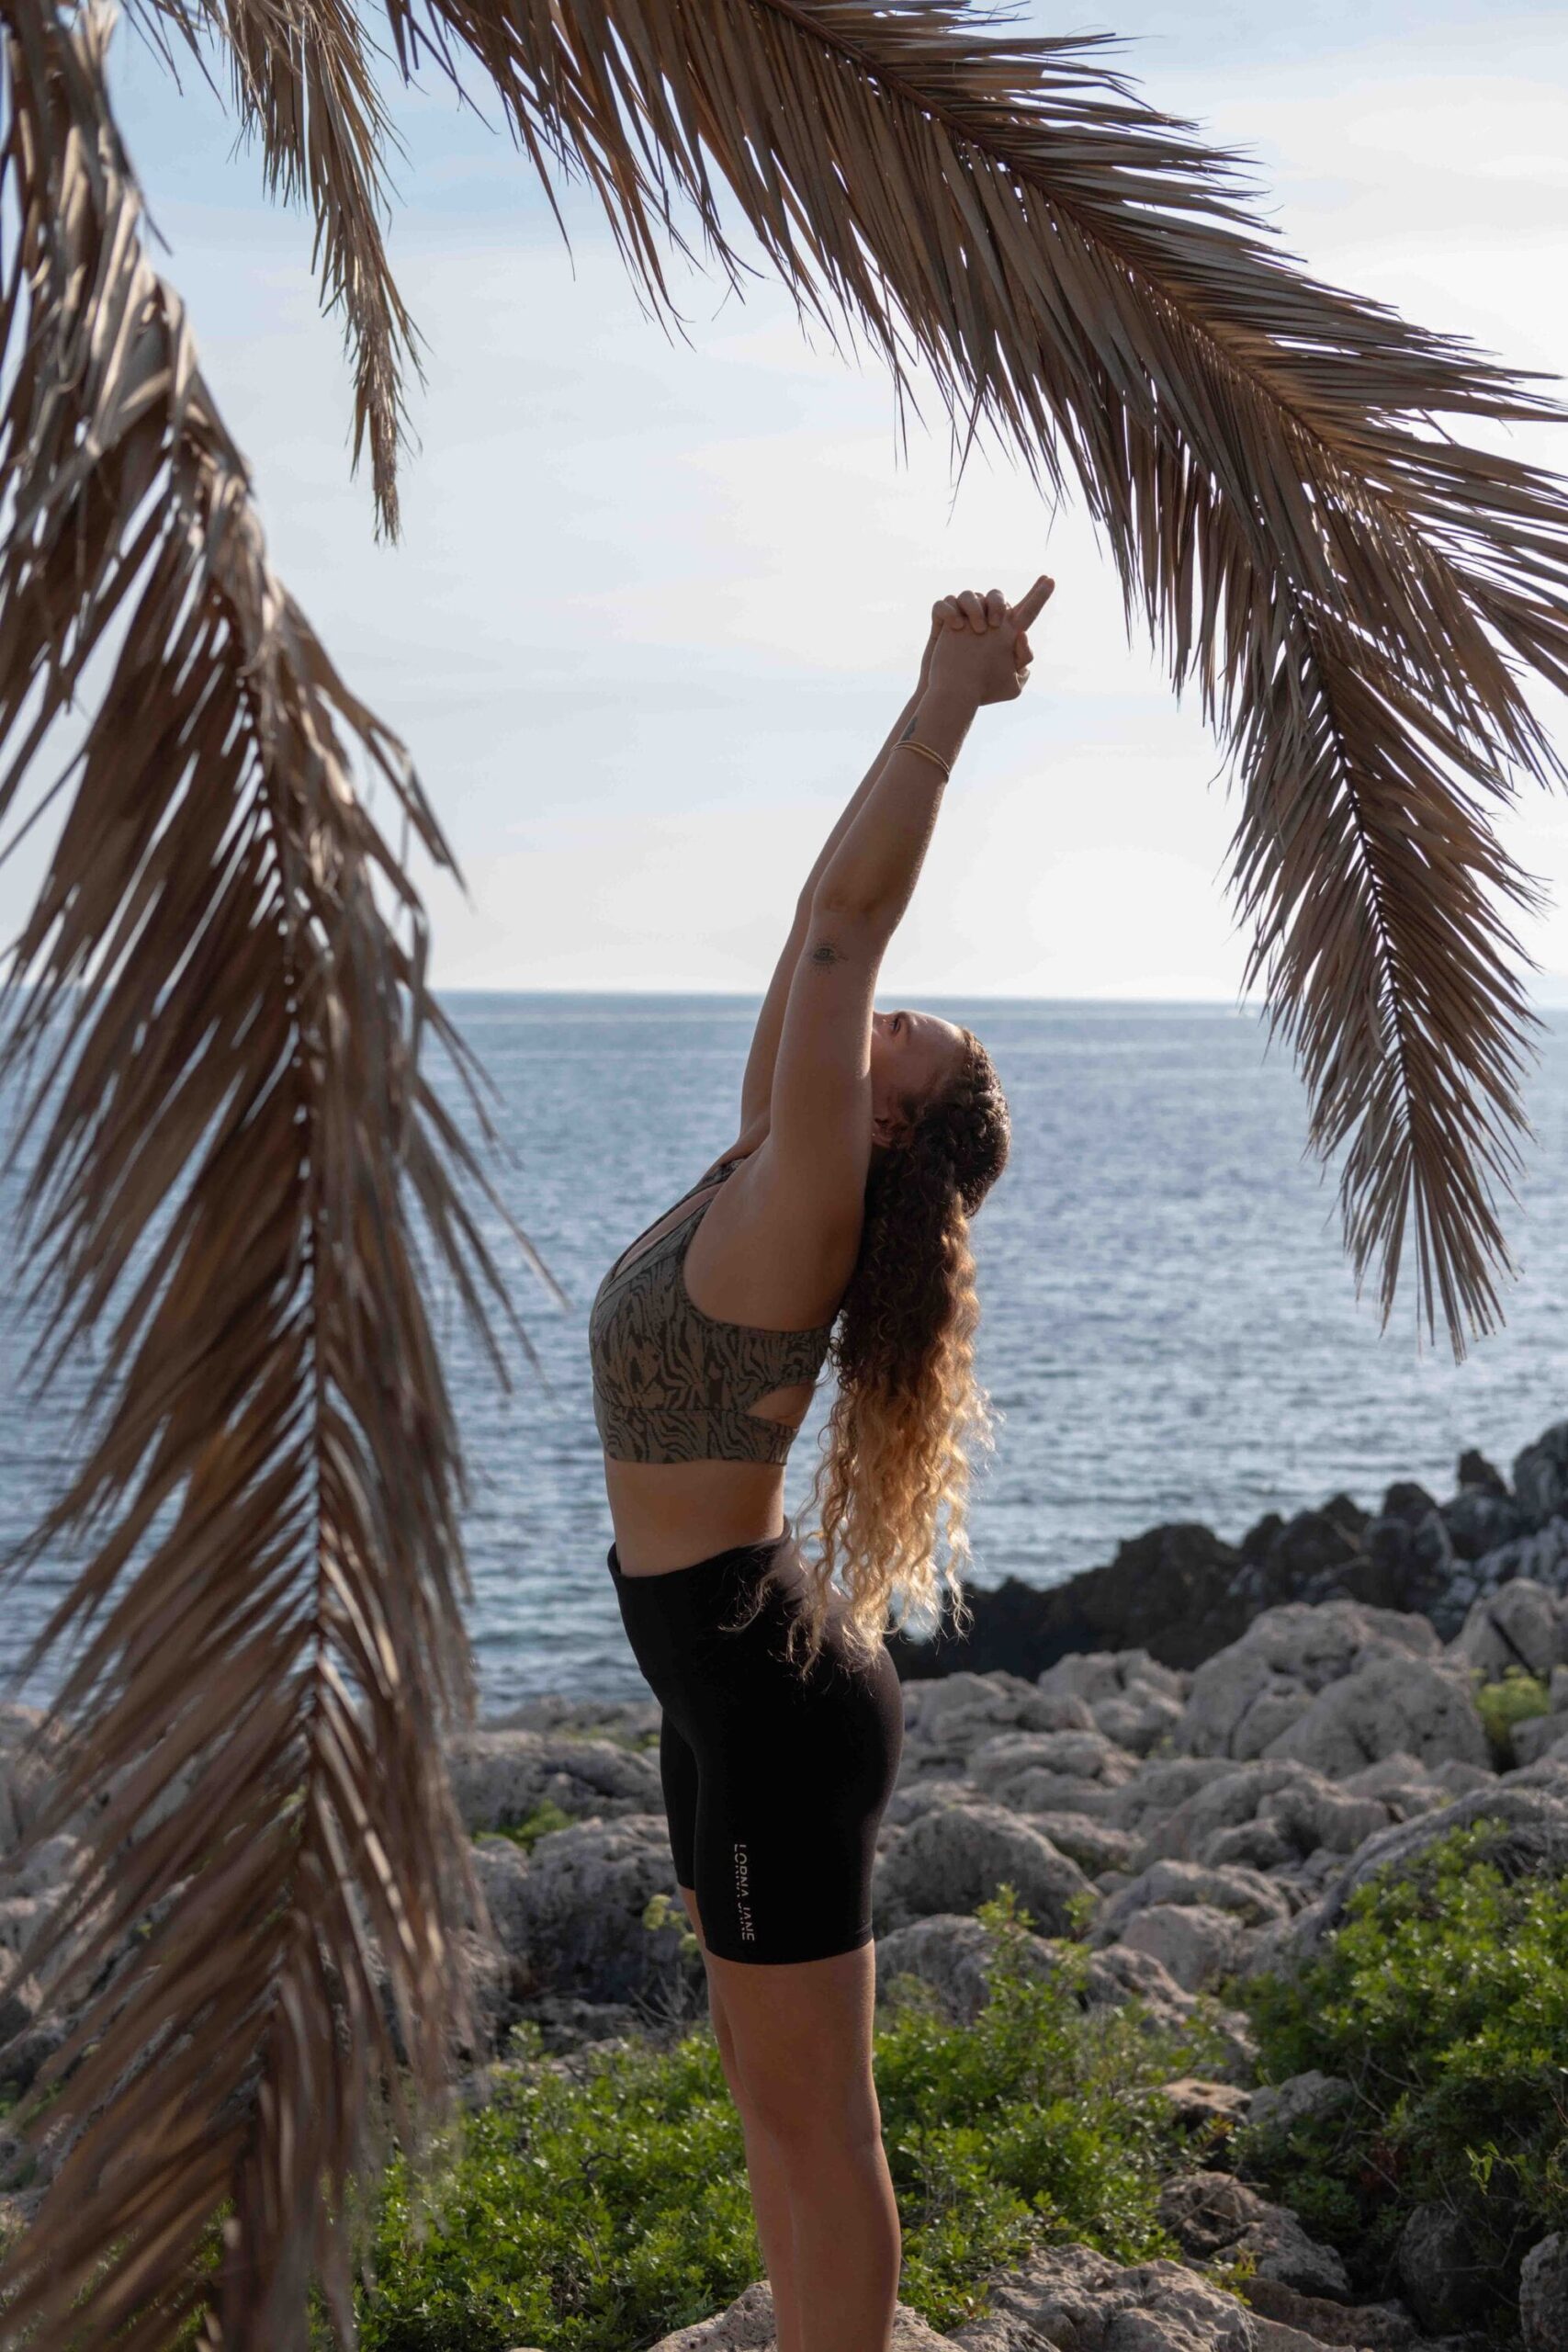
x,y
1201,1749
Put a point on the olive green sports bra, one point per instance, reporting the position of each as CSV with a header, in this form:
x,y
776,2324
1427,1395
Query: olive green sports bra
x,y
672,1384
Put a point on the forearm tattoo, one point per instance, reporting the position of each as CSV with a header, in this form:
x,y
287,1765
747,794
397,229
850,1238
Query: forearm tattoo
x,y
826,953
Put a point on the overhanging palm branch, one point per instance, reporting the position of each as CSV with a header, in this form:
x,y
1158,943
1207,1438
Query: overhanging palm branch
x,y
305,85
235,1130
1354,591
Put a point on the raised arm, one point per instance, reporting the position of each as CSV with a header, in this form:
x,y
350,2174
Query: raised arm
x,y
820,1136
757,1087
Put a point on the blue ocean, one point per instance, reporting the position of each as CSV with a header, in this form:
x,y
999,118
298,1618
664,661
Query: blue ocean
x,y
1171,1329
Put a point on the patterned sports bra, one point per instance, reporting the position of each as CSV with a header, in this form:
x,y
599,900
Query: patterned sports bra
x,y
672,1384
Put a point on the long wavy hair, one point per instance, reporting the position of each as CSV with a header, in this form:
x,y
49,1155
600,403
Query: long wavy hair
x,y
909,1409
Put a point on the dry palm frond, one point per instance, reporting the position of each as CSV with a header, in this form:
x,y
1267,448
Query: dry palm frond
x,y
234,1133
1354,593
304,83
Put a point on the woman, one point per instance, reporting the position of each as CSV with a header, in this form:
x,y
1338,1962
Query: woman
x,y
867,1140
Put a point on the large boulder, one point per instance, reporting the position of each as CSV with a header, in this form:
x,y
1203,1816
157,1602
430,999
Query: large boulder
x,y
1134,1699
1164,1783
1213,2213
580,1909
1543,2294
1300,2098
946,1721
1072,2298
748,2326
1390,1705
957,1857
1445,2281
1250,1894
1198,1942
1521,1624
951,1952
1301,1810
1246,1696
1008,1768
499,1778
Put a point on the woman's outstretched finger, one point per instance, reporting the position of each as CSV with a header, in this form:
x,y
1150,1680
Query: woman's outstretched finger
x,y
1032,602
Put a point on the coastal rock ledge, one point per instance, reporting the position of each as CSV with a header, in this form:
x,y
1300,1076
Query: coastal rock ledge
x,y
1072,2298
1182,1592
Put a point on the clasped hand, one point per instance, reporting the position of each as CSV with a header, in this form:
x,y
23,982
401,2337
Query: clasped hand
x,y
979,646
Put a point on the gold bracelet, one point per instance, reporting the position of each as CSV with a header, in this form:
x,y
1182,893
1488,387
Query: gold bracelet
x,y
926,753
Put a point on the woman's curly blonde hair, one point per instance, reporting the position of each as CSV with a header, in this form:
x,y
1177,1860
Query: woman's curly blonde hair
x,y
908,1407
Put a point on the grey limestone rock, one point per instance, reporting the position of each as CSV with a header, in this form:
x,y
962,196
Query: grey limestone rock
x,y
1135,1701
1163,1783
1213,2213
998,1765
631,1722
1197,1942
955,1859
501,1871
1539,1736
499,1778
1419,1706
579,1906
1279,2107
1097,1674
1253,1897
1073,2299
1244,1696
747,2326
948,1717
1521,1624
951,1953
1446,2285
1302,1810
1139,1720
1543,2295
1097,1846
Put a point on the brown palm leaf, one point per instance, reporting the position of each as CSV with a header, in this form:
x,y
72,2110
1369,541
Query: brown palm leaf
x,y
1354,591
304,83
224,1026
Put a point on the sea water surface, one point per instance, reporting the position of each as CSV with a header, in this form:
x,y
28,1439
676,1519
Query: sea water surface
x,y
1169,1330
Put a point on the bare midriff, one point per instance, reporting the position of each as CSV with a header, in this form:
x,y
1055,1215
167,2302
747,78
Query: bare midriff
x,y
667,1514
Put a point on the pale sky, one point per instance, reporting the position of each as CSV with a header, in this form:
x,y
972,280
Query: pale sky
x,y
657,603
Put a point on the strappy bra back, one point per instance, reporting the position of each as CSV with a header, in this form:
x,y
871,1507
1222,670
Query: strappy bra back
x,y
672,1384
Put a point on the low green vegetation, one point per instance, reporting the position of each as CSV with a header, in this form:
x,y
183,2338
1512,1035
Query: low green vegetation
x,y
526,1832
1443,2000
598,2206
1513,1697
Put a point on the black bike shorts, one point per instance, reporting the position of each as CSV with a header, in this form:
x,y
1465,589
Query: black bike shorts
x,y
774,1783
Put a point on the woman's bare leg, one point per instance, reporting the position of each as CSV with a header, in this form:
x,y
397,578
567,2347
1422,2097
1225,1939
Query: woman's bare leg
x,y
764,2170
801,2033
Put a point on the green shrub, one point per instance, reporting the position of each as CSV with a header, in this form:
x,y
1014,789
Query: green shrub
x,y
1513,1699
1443,1999
528,1833
598,2209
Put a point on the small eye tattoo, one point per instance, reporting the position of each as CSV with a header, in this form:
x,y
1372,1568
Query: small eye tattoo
x,y
826,953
